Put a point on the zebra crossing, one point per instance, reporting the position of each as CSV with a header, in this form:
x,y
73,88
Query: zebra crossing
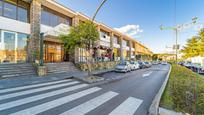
x,y
41,98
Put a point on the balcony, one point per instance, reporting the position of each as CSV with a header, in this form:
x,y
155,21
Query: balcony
x,y
105,38
55,31
116,45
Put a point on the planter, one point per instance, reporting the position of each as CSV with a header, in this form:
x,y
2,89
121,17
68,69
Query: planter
x,y
41,70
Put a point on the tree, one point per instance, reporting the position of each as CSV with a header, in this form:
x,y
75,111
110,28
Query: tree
x,y
201,44
84,36
192,47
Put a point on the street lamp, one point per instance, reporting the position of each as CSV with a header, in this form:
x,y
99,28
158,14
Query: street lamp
x,y
41,48
176,29
97,10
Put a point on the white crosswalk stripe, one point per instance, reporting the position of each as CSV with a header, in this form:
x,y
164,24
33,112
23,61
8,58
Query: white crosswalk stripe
x,y
91,104
32,86
39,97
36,90
52,104
128,107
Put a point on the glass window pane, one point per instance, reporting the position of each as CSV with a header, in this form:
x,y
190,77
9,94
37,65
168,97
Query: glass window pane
x,y
54,20
22,14
10,10
22,41
45,18
1,7
9,47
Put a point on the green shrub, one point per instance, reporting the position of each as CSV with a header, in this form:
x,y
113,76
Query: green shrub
x,y
184,91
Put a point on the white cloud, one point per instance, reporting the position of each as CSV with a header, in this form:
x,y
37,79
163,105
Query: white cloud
x,y
130,30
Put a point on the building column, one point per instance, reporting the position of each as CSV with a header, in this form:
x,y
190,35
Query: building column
x,y
75,21
130,50
121,48
34,42
111,45
76,53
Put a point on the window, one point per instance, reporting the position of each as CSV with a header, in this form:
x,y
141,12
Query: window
x,y
14,9
22,14
1,8
9,10
45,17
54,20
22,41
51,19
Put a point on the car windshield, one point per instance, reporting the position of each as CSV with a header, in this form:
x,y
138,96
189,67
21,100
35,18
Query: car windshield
x,y
122,63
132,62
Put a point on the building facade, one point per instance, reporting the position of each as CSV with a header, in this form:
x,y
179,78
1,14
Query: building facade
x,y
22,21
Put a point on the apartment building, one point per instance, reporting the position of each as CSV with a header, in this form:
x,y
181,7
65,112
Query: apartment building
x,y
22,21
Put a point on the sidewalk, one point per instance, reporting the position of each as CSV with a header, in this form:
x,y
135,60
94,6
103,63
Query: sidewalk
x,y
27,80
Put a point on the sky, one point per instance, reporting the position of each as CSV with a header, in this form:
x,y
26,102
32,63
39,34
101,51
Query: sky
x,y
141,19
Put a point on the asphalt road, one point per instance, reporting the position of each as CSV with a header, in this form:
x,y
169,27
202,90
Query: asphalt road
x,y
129,96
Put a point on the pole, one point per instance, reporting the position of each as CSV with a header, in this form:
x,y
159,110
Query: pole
x,y
41,48
97,10
176,30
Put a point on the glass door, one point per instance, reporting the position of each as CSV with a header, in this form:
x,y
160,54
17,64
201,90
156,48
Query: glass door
x,y
8,47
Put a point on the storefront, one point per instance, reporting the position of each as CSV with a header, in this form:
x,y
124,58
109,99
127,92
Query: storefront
x,y
116,54
13,47
53,52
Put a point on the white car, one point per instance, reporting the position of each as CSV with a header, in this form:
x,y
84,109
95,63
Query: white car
x,y
134,65
123,67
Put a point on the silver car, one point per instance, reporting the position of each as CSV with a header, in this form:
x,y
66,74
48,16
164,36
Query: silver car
x,y
123,67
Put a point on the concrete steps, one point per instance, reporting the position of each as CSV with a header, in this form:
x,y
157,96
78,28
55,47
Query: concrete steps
x,y
16,70
63,67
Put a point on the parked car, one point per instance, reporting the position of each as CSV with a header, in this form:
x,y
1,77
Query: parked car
x,y
197,68
155,63
188,65
141,65
164,63
134,65
124,66
147,64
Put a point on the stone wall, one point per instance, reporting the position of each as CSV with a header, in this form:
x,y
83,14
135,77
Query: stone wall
x,y
34,42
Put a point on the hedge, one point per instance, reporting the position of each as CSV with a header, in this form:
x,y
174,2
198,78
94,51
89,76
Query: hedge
x,y
184,91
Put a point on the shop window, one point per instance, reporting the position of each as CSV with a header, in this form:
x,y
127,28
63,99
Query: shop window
x,y
22,15
22,40
10,10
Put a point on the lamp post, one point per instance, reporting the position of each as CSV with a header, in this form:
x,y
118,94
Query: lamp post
x,y
41,48
176,29
97,10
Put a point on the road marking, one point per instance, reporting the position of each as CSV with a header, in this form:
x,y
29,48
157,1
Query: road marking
x,y
91,104
147,74
52,104
128,107
39,97
32,86
36,90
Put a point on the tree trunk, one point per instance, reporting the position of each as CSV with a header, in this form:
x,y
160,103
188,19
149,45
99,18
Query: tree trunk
x,y
88,63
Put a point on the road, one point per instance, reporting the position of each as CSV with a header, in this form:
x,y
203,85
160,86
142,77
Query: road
x,y
129,96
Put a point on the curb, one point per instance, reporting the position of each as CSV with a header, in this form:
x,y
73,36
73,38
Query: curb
x,y
154,107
